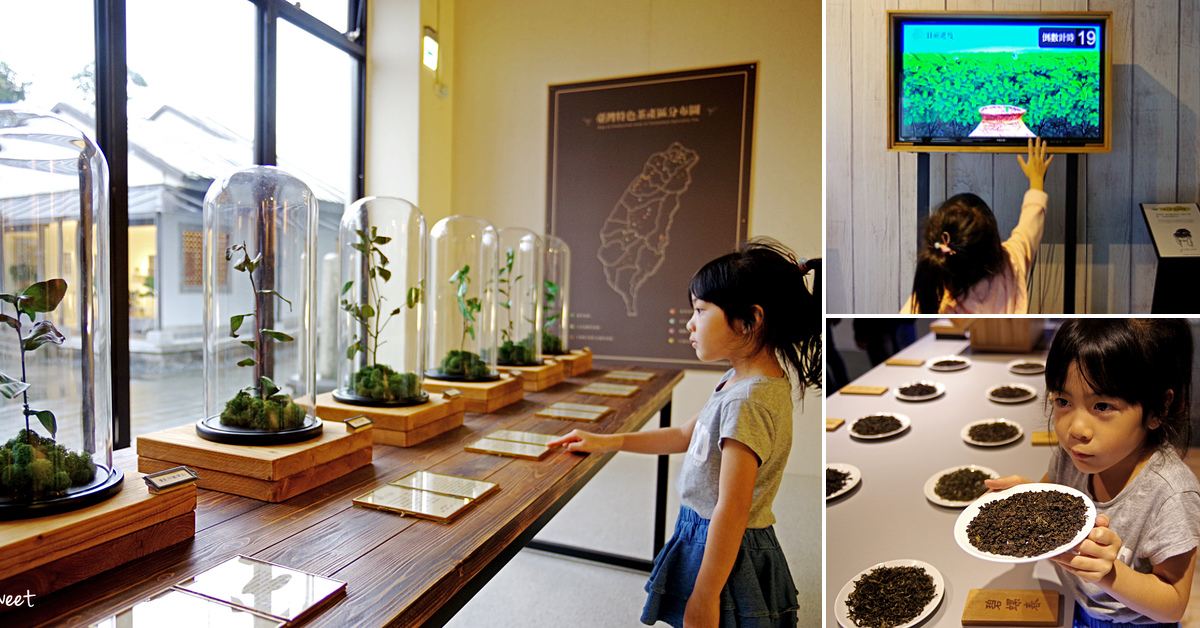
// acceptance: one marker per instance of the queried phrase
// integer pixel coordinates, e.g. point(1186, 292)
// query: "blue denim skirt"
point(760, 592)
point(1084, 620)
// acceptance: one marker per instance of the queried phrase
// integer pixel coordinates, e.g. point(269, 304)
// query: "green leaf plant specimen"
point(552, 344)
point(32, 465)
point(262, 406)
point(375, 380)
point(512, 351)
point(460, 362)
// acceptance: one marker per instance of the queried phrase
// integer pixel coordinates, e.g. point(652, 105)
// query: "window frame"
point(112, 137)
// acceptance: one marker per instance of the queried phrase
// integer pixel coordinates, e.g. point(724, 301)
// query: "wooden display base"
point(575, 363)
point(482, 397)
point(271, 474)
point(538, 378)
point(49, 553)
point(399, 427)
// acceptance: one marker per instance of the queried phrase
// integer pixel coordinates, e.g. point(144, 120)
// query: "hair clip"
point(944, 244)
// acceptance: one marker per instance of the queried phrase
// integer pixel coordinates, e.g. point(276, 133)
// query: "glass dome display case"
point(556, 296)
point(381, 340)
point(519, 298)
point(56, 412)
point(461, 296)
point(259, 251)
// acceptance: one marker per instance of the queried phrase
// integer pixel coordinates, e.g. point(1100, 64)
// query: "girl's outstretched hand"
point(587, 442)
point(1093, 559)
point(1008, 481)
point(1035, 167)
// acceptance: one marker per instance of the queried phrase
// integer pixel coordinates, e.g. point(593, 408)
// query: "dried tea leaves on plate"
point(1027, 367)
point(876, 424)
point(835, 480)
point(1009, 392)
point(950, 363)
point(963, 485)
point(890, 596)
point(918, 390)
point(1027, 524)
point(994, 432)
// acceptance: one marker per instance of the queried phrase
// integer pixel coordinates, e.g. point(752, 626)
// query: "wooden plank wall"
point(871, 227)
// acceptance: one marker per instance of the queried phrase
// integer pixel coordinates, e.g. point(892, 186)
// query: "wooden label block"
point(538, 378)
point(903, 362)
point(398, 438)
point(280, 490)
point(576, 363)
point(862, 390)
point(1011, 607)
point(609, 390)
point(630, 376)
point(833, 424)
point(1043, 438)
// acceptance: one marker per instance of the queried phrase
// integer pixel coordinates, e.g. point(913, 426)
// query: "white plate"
point(904, 423)
point(842, 612)
point(932, 495)
point(1032, 394)
point(960, 526)
point(933, 366)
point(1041, 369)
point(941, 390)
point(851, 482)
point(966, 433)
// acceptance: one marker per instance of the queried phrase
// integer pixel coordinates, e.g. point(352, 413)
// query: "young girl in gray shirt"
point(1119, 393)
point(723, 566)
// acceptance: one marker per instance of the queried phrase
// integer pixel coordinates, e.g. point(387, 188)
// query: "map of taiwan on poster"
point(648, 181)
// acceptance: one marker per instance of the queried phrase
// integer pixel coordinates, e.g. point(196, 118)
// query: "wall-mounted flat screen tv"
point(989, 81)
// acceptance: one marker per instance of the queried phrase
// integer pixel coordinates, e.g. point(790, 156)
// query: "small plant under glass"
point(377, 384)
point(552, 344)
point(37, 470)
point(513, 352)
point(461, 363)
point(262, 413)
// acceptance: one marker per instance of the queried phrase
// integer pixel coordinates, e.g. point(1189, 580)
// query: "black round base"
point(211, 429)
point(460, 378)
point(107, 483)
point(343, 395)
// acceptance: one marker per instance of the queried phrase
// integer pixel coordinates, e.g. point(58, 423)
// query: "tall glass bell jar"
point(56, 412)
point(556, 296)
point(461, 291)
point(519, 298)
point(381, 342)
point(260, 229)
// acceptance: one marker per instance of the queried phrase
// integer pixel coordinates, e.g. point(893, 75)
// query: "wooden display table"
point(45, 554)
point(400, 571)
point(272, 473)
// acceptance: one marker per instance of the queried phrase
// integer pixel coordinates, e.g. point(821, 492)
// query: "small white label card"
point(409, 501)
point(1174, 228)
point(630, 376)
point(260, 586)
point(533, 438)
point(170, 479)
point(497, 447)
point(609, 390)
point(181, 609)
point(574, 411)
point(355, 423)
point(446, 484)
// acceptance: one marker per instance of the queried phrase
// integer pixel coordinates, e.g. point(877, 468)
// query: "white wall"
point(871, 206)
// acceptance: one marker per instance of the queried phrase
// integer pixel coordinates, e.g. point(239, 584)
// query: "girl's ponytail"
point(960, 246)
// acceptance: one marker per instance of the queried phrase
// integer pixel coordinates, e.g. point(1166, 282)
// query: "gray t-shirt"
point(1157, 516)
point(756, 412)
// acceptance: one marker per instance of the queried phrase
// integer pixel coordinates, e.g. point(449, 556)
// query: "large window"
point(208, 88)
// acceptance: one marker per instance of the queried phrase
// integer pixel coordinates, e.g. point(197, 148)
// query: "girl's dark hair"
point(765, 273)
point(969, 251)
point(1135, 360)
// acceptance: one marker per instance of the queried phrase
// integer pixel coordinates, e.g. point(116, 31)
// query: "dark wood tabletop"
point(400, 571)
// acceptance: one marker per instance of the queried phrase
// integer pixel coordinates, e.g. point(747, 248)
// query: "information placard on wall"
point(1174, 228)
point(648, 180)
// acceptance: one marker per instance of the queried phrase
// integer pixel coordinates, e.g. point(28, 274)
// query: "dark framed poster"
point(648, 180)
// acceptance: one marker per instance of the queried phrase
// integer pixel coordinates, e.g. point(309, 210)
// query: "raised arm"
point(1035, 168)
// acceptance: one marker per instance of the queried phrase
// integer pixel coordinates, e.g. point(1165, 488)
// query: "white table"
point(887, 516)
